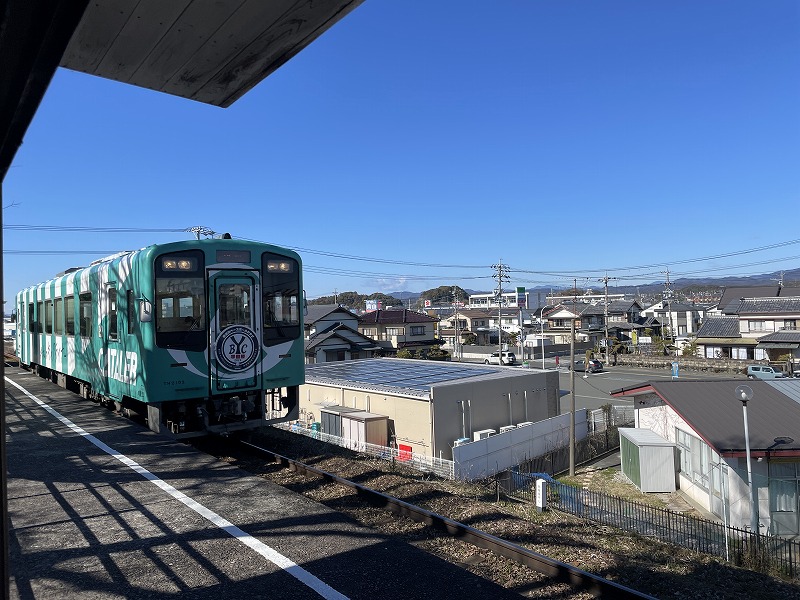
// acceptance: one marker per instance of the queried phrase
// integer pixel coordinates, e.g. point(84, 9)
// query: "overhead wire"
point(549, 274)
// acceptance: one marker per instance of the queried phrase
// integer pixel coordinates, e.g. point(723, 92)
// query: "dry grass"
point(648, 565)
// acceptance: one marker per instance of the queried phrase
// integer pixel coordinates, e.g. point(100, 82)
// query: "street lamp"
point(745, 393)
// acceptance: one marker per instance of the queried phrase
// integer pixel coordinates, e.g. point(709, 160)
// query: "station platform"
point(101, 507)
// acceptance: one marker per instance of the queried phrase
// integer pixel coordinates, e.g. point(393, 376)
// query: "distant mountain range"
point(790, 279)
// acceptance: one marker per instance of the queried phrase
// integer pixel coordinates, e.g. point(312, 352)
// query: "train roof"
point(166, 246)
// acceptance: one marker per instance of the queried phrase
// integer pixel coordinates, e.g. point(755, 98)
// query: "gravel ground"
point(649, 566)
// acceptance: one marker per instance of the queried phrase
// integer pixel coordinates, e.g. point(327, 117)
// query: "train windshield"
point(281, 305)
point(180, 310)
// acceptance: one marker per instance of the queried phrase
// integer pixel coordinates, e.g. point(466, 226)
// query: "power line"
point(71, 229)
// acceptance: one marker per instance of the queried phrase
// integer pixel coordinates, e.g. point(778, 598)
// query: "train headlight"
point(280, 266)
point(178, 264)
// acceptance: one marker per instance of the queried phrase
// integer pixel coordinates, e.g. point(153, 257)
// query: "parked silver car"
point(763, 372)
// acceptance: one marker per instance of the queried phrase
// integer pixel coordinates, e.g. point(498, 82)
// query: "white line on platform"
point(272, 555)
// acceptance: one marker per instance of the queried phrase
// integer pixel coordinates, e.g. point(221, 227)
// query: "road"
point(592, 389)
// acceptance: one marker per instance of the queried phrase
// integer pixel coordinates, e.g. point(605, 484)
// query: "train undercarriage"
point(198, 417)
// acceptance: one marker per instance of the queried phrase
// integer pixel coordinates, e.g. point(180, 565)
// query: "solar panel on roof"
point(395, 374)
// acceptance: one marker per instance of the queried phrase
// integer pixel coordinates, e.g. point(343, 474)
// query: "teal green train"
point(200, 336)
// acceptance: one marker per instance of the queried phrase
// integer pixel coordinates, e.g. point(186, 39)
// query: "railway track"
point(556, 571)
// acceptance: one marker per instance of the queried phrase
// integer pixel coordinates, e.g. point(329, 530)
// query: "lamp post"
point(745, 393)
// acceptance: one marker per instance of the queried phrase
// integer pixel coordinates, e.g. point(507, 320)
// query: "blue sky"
point(565, 139)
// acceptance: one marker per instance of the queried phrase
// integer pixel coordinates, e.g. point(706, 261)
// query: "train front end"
point(227, 336)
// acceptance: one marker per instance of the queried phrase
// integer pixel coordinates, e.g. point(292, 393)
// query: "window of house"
point(395, 331)
point(755, 325)
point(783, 481)
point(417, 330)
point(69, 315)
point(369, 331)
point(739, 353)
point(790, 324)
point(696, 458)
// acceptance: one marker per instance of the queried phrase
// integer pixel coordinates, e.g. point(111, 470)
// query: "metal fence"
point(426, 464)
point(766, 554)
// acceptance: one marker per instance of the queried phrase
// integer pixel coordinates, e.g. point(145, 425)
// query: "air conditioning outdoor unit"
point(461, 441)
point(483, 434)
point(507, 428)
point(524, 423)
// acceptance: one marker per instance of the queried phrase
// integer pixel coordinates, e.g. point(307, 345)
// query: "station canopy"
point(212, 52)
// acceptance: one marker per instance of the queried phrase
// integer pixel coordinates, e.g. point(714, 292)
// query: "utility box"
point(507, 428)
point(648, 460)
point(331, 418)
point(360, 428)
point(483, 434)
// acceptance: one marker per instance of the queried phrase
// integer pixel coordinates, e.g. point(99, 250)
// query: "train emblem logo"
point(237, 348)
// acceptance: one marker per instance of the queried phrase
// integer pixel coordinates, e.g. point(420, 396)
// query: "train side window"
point(113, 329)
point(69, 315)
point(48, 316)
point(58, 314)
point(131, 311)
point(40, 317)
point(281, 292)
point(31, 318)
point(85, 309)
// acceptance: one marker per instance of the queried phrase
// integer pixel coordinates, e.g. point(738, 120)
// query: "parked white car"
point(763, 372)
point(508, 358)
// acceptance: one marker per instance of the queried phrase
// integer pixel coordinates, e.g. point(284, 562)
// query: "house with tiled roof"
point(395, 330)
point(755, 329)
point(331, 334)
point(704, 420)
point(732, 295)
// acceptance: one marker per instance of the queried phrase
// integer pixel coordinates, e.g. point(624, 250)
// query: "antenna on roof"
point(780, 279)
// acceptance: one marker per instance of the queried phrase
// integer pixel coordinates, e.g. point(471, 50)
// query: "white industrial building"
point(429, 407)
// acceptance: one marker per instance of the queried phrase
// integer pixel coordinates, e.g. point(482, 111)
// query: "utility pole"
point(456, 339)
point(501, 275)
point(605, 318)
point(667, 299)
point(572, 385)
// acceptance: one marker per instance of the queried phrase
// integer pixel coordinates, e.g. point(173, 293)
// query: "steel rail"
point(555, 569)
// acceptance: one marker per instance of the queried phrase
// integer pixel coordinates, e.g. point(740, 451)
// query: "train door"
point(235, 332)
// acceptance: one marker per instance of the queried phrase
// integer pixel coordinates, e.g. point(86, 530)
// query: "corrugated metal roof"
point(644, 437)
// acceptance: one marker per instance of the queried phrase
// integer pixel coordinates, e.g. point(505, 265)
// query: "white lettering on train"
point(120, 366)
